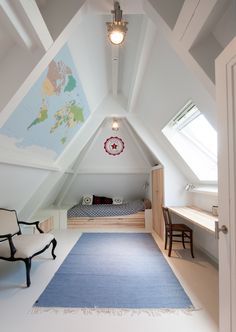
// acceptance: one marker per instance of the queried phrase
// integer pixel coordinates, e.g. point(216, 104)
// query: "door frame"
point(226, 103)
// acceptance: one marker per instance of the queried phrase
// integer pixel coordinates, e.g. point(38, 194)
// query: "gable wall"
point(101, 173)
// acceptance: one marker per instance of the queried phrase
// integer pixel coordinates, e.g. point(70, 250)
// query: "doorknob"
point(218, 229)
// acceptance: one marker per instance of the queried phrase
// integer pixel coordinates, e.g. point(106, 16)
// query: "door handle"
point(218, 229)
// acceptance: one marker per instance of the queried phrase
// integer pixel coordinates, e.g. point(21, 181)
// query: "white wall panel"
point(129, 186)
point(98, 160)
point(18, 184)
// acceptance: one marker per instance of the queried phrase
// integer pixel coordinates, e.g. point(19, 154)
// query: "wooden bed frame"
point(131, 220)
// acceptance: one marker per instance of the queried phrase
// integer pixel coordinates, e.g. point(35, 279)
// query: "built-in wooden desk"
point(196, 216)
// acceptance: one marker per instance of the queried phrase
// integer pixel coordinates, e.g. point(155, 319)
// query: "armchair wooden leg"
point(54, 243)
point(191, 244)
point(28, 267)
point(170, 245)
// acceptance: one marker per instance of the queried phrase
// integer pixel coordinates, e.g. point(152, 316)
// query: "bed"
point(127, 214)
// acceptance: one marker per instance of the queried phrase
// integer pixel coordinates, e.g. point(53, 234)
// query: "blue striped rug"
point(115, 270)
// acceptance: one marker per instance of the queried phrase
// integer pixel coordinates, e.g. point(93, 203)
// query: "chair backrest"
point(167, 217)
point(8, 222)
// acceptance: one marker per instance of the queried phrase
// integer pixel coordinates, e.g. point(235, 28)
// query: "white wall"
point(203, 239)
point(128, 186)
point(206, 242)
point(129, 161)
point(18, 184)
point(49, 202)
point(14, 69)
point(202, 200)
point(102, 174)
point(174, 179)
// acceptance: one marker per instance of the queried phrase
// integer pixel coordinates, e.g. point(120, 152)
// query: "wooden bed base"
point(132, 220)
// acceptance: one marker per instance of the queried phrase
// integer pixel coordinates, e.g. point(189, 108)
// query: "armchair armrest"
point(11, 245)
point(36, 223)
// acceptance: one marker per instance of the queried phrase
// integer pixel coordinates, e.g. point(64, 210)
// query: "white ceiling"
point(96, 57)
point(103, 68)
point(129, 53)
point(6, 39)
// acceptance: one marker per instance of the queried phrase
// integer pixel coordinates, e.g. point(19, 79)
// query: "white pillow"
point(87, 199)
point(117, 200)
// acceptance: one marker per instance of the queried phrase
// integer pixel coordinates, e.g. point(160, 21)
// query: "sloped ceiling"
point(172, 85)
point(163, 63)
point(92, 56)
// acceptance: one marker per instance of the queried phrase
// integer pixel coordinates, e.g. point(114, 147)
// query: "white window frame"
point(173, 132)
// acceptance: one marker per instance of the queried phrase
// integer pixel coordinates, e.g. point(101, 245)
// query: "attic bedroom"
point(96, 138)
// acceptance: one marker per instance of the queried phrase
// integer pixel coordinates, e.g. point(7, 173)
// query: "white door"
point(226, 101)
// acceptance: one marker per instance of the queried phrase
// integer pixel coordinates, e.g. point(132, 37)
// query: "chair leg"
point(28, 267)
point(166, 238)
point(183, 240)
point(191, 243)
point(170, 244)
point(54, 243)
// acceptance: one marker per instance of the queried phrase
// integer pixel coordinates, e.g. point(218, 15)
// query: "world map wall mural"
point(52, 111)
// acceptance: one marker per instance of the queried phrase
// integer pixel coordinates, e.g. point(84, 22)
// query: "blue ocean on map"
point(53, 110)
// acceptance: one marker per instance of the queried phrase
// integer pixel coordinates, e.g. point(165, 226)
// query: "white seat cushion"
point(26, 245)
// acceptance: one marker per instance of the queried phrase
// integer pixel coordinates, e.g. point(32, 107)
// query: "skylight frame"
point(189, 147)
point(195, 141)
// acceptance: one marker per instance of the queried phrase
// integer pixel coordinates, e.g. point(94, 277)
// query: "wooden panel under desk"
point(196, 216)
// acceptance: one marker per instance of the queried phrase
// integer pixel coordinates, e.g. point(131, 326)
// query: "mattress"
point(105, 210)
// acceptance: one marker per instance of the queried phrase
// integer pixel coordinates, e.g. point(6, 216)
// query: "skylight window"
point(195, 140)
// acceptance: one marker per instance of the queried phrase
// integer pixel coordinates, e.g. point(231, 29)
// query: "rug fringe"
point(114, 311)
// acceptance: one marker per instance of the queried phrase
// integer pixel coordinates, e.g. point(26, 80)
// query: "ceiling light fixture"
point(115, 125)
point(118, 28)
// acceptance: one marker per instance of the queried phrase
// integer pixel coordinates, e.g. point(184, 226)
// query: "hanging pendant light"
point(118, 28)
point(115, 125)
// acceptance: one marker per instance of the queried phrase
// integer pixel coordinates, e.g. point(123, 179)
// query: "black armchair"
point(15, 246)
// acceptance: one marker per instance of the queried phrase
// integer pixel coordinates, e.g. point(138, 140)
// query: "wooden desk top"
point(196, 216)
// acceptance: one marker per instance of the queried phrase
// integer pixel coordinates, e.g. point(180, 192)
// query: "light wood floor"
point(199, 278)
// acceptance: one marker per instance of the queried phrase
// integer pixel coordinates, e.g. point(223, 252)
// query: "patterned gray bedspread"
point(105, 210)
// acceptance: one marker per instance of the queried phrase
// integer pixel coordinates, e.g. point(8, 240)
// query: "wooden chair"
point(15, 246)
point(173, 231)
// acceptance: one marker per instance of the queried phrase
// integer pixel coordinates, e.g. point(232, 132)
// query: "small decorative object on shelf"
point(114, 146)
point(215, 210)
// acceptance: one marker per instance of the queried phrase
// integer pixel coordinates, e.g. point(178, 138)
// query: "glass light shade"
point(115, 125)
point(116, 32)
point(116, 37)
